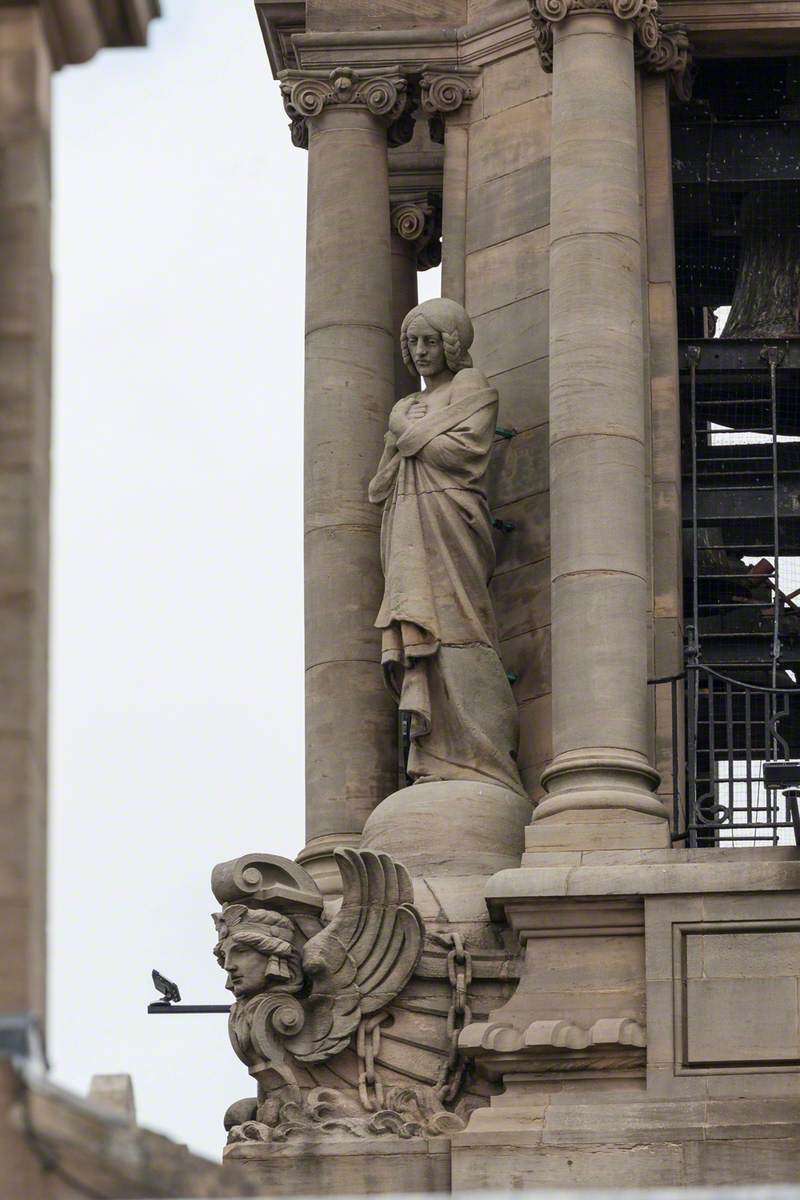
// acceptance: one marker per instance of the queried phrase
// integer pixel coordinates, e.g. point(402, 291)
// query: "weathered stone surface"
point(303, 987)
point(439, 638)
point(512, 81)
point(511, 139)
point(524, 398)
point(510, 205)
point(508, 337)
point(508, 271)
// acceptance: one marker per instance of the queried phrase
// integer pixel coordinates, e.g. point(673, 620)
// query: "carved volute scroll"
point(418, 221)
point(659, 46)
point(443, 91)
point(384, 92)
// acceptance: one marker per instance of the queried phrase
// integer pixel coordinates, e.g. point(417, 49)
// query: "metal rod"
point(157, 1009)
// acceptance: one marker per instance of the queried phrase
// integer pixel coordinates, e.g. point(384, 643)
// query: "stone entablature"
point(659, 47)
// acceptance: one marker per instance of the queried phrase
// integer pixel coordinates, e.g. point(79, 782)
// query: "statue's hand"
point(410, 408)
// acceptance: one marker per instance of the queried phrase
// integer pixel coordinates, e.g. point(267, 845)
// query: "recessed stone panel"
point(739, 988)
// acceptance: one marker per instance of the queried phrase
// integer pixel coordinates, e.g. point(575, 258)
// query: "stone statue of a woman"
point(440, 651)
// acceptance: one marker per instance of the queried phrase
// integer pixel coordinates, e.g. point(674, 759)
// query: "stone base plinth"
point(629, 1142)
point(360, 1167)
point(654, 1037)
point(450, 828)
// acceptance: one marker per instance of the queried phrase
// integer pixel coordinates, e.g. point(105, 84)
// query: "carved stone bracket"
point(418, 220)
point(442, 92)
point(383, 92)
point(501, 1047)
point(659, 46)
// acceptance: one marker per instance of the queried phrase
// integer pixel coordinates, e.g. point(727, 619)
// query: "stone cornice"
point(383, 92)
point(505, 30)
point(659, 47)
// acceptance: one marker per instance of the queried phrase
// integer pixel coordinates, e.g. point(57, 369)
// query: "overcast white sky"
point(177, 657)
point(177, 638)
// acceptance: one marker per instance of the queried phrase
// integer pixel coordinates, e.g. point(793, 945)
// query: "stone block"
point(24, 415)
point(658, 177)
point(524, 395)
point(529, 539)
point(344, 588)
point(535, 732)
point(509, 139)
point(518, 467)
point(508, 337)
point(532, 779)
point(507, 271)
point(25, 289)
point(528, 656)
point(357, 1168)
point(322, 16)
point(728, 1024)
point(667, 551)
point(342, 789)
point(522, 598)
point(514, 80)
point(513, 204)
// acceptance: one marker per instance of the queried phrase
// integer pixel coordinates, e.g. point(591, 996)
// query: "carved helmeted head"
point(435, 336)
point(256, 948)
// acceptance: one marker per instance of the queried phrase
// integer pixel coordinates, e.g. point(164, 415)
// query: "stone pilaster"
point(444, 97)
point(600, 783)
point(351, 731)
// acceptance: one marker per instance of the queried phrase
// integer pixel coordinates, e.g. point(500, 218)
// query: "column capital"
point(442, 91)
point(659, 46)
point(418, 221)
point(383, 92)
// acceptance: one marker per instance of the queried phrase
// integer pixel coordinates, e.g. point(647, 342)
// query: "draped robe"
point(440, 651)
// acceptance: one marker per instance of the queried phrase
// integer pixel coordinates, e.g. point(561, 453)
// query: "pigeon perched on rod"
point(166, 987)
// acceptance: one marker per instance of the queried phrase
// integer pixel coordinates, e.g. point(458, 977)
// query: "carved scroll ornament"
point(383, 92)
point(419, 222)
point(659, 46)
point(442, 92)
point(308, 990)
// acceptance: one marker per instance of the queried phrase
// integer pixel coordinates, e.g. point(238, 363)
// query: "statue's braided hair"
point(452, 322)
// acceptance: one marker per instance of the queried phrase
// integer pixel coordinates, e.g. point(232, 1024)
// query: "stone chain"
point(368, 1045)
point(459, 1015)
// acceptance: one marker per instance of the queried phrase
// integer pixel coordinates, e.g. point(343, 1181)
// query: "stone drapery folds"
point(659, 46)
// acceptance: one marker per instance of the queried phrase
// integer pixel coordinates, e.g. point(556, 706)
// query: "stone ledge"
point(661, 873)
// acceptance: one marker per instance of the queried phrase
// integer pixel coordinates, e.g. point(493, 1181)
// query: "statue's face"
point(426, 348)
point(246, 970)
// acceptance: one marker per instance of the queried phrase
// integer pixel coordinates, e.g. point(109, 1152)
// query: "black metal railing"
point(742, 774)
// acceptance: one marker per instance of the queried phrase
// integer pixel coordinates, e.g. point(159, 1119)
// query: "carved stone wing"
point(364, 958)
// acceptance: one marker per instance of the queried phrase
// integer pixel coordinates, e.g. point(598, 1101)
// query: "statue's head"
point(256, 949)
point(435, 336)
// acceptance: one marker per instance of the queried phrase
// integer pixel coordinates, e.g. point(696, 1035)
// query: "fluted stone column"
point(351, 728)
point(600, 783)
